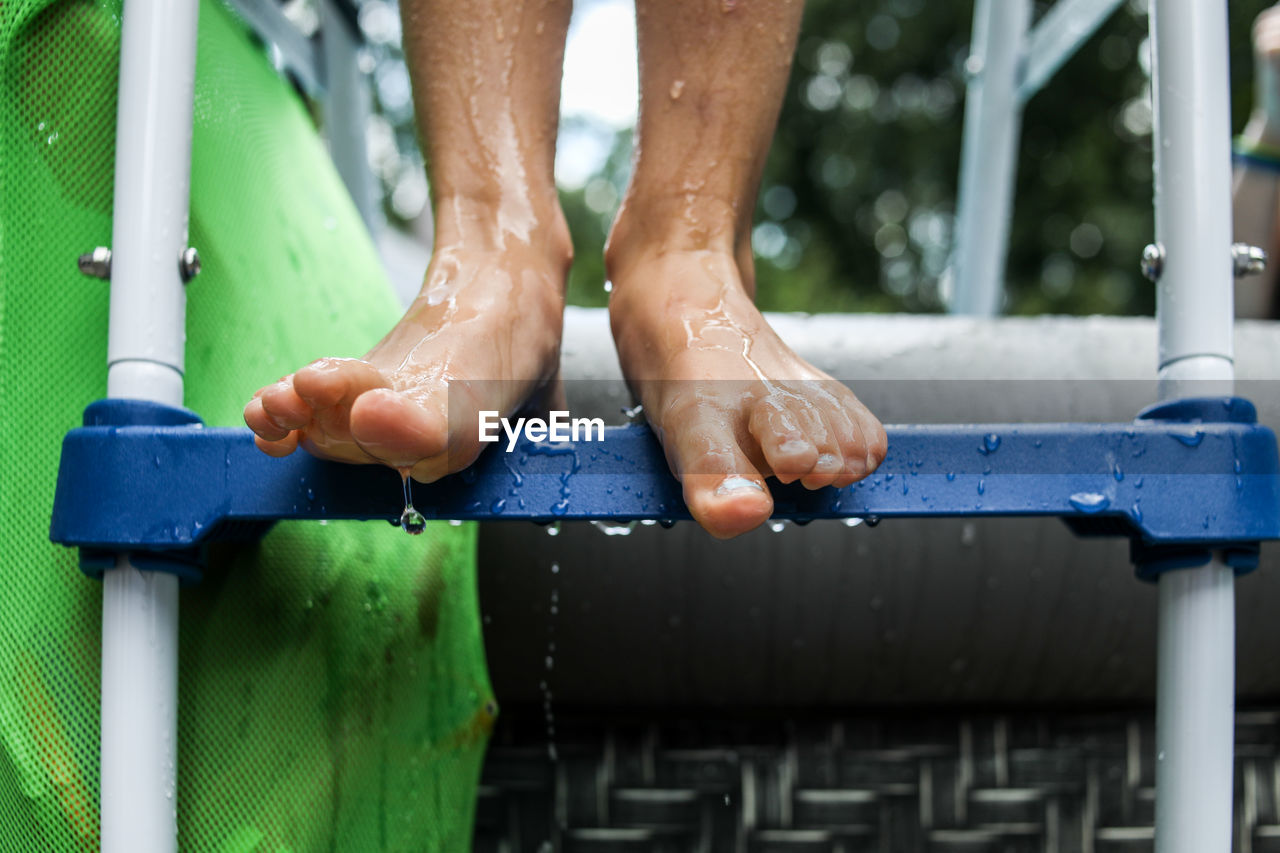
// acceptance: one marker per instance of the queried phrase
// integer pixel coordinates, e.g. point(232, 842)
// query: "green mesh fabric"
point(333, 694)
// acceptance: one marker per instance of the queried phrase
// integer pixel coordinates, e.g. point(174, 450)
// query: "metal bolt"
point(1247, 260)
point(189, 264)
point(1153, 261)
point(96, 263)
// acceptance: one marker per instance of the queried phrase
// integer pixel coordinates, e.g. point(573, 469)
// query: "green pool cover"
point(333, 693)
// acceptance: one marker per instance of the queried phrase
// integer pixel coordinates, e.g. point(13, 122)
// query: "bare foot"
point(487, 324)
point(731, 403)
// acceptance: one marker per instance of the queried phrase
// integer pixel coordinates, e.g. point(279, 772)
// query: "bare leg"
point(730, 401)
point(486, 77)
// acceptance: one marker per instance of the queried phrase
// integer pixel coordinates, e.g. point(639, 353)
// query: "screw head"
point(96, 263)
point(189, 264)
point(1247, 260)
point(1153, 261)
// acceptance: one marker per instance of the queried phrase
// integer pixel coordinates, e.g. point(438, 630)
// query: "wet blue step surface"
point(1193, 472)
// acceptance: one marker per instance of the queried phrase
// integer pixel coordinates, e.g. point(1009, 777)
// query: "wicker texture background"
point(1022, 783)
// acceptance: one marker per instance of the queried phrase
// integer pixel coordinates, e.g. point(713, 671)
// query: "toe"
point(874, 440)
point(846, 434)
point(725, 493)
point(327, 382)
point(257, 420)
point(859, 434)
point(829, 467)
point(283, 447)
point(398, 430)
point(283, 406)
point(785, 435)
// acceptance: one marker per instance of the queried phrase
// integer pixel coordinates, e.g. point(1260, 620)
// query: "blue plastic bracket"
point(1183, 478)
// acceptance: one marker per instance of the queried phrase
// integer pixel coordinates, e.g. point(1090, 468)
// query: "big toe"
point(724, 491)
point(398, 430)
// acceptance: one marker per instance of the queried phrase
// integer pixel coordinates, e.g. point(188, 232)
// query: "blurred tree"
point(855, 210)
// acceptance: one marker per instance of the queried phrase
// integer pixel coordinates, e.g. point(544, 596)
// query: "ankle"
point(532, 222)
point(681, 222)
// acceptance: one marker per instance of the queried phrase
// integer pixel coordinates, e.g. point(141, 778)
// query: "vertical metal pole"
point(1196, 672)
point(347, 113)
point(988, 155)
point(145, 356)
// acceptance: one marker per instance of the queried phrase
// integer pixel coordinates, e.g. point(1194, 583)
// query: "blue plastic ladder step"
point(1186, 475)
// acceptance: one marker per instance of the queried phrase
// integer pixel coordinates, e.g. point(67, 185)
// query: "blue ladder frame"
point(1182, 479)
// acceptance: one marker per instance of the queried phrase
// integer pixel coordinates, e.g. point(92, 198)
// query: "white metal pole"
point(992, 121)
point(1196, 670)
point(1195, 676)
point(145, 356)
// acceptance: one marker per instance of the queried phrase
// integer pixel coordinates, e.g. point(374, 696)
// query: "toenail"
point(737, 484)
point(795, 445)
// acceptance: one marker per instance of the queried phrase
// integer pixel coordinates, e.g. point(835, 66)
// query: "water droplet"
point(635, 414)
point(560, 507)
point(412, 521)
point(1089, 502)
point(608, 286)
point(612, 529)
point(1160, 755)
point(1239, 468)
point(1137, 513)
point(951, 476)
point(549, 661)
point(1190, 438)
point(311, 494)
point(455, 522)
point(872, 520)
point(982, 486)
point(1116, 472)
point(852, 522)
point(777, 526)
point(666, 523)
point(498, 506)
point(990, 443)
point(553, 529)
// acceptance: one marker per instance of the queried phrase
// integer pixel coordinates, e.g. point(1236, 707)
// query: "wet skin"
point(730, 402)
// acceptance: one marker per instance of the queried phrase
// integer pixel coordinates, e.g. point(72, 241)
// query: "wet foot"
point(483, 333)
point(731, 403)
